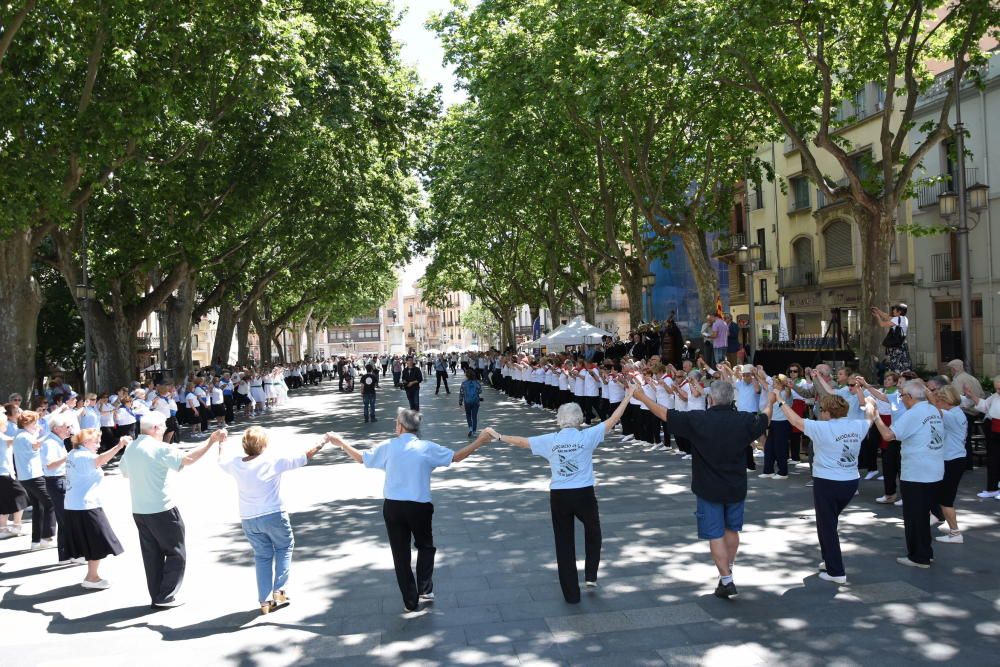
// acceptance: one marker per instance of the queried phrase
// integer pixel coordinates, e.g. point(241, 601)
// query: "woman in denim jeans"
point(264, 519)
point(469, 396)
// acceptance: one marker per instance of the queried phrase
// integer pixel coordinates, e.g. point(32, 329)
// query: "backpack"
point(894, 337)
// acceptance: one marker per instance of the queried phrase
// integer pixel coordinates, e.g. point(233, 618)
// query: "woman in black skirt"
point(13, 497)
point(90, 535)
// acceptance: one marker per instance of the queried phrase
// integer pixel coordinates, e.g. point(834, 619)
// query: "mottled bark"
point(20, 302)
point(177, 322)
point(876, 242)
point(223, 343)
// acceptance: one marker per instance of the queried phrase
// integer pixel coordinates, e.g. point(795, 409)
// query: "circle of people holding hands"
point(717, 416)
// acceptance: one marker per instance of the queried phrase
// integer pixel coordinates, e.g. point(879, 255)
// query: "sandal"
point(267, 607)
point(281, 599)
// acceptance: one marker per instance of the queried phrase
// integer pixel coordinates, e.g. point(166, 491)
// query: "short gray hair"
point(721, 392)
point(151, 420)
point(61, 420)
point(569, 416)
point(409, 420)
point(916, 390)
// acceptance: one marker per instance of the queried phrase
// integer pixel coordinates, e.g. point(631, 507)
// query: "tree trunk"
point(20, 302)
point(177, 322)
point(554, 304)
point(263, 331)
point(243, 340)
point(279, 339)
point(311, 338)
point(115, 348)
point(633, 290)
point(223, 344)
point(705, 277)
point(876, 241)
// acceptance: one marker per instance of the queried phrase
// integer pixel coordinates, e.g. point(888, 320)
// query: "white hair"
point(916, 390)
point(61, 420)
point(409, 420)
point(721, 392)
point(151, 420)
point(569, 416)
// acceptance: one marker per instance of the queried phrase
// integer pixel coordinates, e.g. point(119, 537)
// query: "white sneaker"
point(880, 478)
point(829, 577)
point(98, 585)
point(686, 457)
point(765, 475)
point(898, 503)
point(780, 477)
point(951, 538)
point(7, 534)
point(883, 500)
point(988, 494)
point(628, 437)
point(590, 584)
point(904, 560)
point(872, 474)
point(36, 546)
point(822, 566)
point(427, 596)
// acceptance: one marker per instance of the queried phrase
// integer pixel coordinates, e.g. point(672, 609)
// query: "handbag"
point(894, 337)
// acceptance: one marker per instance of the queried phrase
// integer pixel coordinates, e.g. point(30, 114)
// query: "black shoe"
point(366, 420)
point(726, 591)
point(470, 434)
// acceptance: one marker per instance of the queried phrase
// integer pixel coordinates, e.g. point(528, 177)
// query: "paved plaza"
point(498, 598)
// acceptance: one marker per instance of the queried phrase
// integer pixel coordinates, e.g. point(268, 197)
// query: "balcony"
point(727, 245)
point(928, 194)
point(365, 320)
point(791, 277)
point(942, 268)
point(147, 342)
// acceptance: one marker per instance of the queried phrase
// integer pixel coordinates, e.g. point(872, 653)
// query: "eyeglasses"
point(792, 371)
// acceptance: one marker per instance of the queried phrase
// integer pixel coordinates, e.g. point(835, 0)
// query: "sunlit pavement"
point(498, 599)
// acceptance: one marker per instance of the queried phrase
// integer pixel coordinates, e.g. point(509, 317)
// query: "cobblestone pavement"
point(498, 598)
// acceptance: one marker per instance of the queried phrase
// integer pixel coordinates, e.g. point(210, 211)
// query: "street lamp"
point(749, 259)
point(974, 202)
point(85, 294)
point(648, 280)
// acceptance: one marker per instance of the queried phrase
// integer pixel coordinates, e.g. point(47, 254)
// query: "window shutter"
point(839, 251)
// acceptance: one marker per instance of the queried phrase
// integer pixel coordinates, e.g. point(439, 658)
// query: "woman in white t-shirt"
point(262, 512)
point(570, 453)
point(89, 533)
point(836, 445)
point(897, 353)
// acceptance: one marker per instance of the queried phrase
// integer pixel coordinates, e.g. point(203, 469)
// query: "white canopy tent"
point(575, 332)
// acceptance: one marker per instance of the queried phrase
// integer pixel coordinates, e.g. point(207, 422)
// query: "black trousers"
point(992, 460)
point(868, 456)
point(567, 505)
point(830, 497)
point(413, 396)
point(56, 487)
point(161, 539)
point(406, 521)
point(589, 405)
point(918, 500)
point(795, 446)
point(442, 376)
point(891, 461)
point(228, 400)
point(43, 512)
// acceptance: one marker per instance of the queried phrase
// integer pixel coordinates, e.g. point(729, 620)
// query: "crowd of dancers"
point(912, 434)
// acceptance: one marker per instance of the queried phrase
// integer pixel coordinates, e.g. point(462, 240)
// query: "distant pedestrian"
point(369, 383)
point(411, 379)
point(262, 511)
point(147, 464)
point(441, 372)
point(469, 397)
point(407, 510)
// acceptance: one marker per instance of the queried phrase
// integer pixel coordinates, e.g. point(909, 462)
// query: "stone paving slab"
point(498, 598)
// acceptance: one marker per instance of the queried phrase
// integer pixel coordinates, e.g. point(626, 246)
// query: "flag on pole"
point(782, 323)
point(718, 304)
point(536, 328)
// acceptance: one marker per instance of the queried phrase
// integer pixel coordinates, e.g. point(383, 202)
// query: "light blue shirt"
point(570, 453)
point(836, 444)
point(956, 426)
point(746, 397)
point(83, 480)
point(408, 463)
point(920, 430)
point(147, 464)
point(27, 459)
point(6, 457)
point(53, 449)
point(90, 418)
point(854, 409)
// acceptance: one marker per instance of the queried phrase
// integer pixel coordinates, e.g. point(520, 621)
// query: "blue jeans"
point(272, 541)
point(720, 354)
point(369, 400)
point(472, 415)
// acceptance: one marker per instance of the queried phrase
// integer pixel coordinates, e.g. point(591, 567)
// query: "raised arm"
point(514, 440)
point(103, 459)
point(193, 456)
point(463, 453)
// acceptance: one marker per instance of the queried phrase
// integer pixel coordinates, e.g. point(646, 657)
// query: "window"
point(763, 291)
point(802, 254)
point(762, 242)
point(798, 195)
point(838, 245)
point(758, 196)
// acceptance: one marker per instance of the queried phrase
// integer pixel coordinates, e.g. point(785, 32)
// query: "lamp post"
point(85, 294)
point(950, 203)
point(648, 280)
point(748, 257)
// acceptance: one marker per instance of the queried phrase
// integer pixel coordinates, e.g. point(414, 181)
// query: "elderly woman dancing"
point(570, 453)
